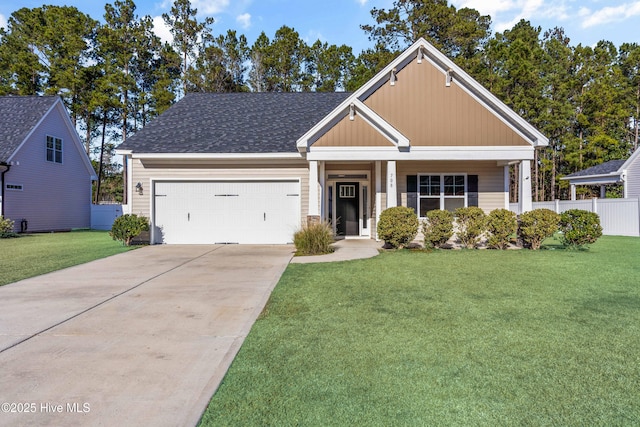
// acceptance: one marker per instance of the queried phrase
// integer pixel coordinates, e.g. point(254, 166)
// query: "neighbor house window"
point(446, 192)
point(54, 149)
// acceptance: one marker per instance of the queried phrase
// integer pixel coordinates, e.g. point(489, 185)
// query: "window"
point(54, 149)
point(447, 192)
point(347, 191)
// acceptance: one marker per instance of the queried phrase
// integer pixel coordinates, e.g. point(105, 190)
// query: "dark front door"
point(347, 203)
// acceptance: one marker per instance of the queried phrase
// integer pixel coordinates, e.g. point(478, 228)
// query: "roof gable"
point(19, 116)
point(483, 108)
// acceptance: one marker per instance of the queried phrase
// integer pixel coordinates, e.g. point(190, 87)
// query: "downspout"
point(6, 167)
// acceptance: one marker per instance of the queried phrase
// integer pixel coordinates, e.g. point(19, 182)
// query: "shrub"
point(579, 227)
point(438, 228)
point(6, 228)
point(398, 226)
point(471, 223)
point(537, 225)
point(501, 224)
point(314, 239)
point(128, 226)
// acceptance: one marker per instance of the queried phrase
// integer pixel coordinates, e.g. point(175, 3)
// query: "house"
point(625, 172)
point(45, 174)
point(253, 167)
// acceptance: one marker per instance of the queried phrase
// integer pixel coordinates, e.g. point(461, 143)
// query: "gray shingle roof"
point(234, 123)
point(602, 169)
point(18, 116)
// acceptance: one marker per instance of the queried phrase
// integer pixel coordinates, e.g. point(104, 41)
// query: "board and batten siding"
point(54, 196)
point(264, 171)
point(490, 179)
point(429, 113)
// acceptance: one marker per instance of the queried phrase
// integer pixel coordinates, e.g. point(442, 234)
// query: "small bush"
point(6, 228)
point(471, 223)
point(398, 226)
point(438, 228)
point(579, 227)
point(501, 224)
point(128, 226)
point(314, 239)
point(537, 225)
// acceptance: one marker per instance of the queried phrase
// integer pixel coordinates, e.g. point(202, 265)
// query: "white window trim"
point(46, 146)
point(442, 196)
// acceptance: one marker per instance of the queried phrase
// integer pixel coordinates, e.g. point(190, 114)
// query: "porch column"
point(524, 199)
point(314, 208)
point(573, 191)
point(392, 193)
point(321, 180)
point(507, 178)
point(378, 196)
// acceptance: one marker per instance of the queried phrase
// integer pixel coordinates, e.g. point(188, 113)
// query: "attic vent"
point(14, 187)
point(392, 79)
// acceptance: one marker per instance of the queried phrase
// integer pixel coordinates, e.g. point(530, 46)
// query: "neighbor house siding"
point(633, 179)
point(429, 113)
point(490, 179)
point(55, 196)
point(265, 170)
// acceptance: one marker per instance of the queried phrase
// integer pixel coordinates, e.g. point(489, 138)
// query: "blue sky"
point(338, 21)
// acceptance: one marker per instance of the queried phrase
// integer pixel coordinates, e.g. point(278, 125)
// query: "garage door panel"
point(259, 212)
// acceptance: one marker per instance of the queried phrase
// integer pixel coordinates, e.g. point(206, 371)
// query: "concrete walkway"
point(346, 249)
point(141, 338)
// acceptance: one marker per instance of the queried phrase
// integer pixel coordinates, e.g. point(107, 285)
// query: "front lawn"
point(477, 338)
point(34, 254)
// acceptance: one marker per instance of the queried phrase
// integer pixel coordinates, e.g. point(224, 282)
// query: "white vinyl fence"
point(618, 217)
point(102, 216)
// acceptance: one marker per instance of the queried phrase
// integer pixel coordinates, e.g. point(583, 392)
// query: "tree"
point(258, 56)
point(189, 35)
point(329, 66)
point(286, 56)
point(629, 59)
point(459, 34)
point(220, 66)
point(44, 52)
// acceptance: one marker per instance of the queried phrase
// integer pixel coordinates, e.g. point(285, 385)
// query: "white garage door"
point(258, 212)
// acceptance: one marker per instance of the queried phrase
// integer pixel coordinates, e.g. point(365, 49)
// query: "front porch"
point(350, 195)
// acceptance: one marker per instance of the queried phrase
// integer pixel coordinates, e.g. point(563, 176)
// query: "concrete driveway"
point(141, 338)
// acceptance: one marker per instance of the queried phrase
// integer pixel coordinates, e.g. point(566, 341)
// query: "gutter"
point(6, 167)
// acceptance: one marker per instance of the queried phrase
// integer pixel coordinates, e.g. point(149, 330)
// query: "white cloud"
point(244, 20)
point(209, 7)
point(3, 21)
point(161, 29)
point(610, 14)
point(487, 7)
point(362, 2)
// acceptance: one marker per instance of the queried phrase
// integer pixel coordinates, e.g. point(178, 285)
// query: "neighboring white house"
point(45, 174)
point(625, 172)
point(253, 167)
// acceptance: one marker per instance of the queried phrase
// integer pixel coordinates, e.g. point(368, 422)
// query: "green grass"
point(473, 338)
point(34, 254)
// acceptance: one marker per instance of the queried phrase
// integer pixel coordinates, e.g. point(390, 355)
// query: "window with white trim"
point(54, 149)
point(446, 192)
